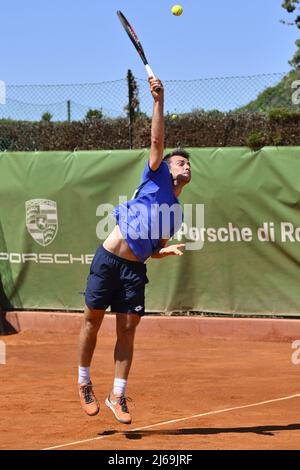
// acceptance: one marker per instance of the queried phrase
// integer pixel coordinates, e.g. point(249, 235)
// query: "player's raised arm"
point(157, 126)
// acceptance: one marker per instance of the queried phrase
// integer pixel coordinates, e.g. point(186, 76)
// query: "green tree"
point(295, 61)
point(94, 115)
point(46, 117)
point(293, 8)
point(133, 106)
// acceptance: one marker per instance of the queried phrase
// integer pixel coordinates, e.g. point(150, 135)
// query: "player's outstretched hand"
point(173, 250)
point(154, 83)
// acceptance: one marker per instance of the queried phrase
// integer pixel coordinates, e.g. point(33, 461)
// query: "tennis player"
point(118, 272)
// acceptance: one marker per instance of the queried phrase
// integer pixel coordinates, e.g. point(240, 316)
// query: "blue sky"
point(81, 41)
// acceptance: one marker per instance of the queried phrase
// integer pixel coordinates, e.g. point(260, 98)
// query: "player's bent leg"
point(91, 323)
point(123, 354)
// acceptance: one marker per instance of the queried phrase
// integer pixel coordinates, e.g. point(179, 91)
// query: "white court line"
point(175, 421)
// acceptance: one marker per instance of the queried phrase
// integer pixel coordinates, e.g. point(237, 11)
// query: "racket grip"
point(151, 74)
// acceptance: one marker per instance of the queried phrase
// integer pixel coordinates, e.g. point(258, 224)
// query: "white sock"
point(119, 386)
point(84, 375)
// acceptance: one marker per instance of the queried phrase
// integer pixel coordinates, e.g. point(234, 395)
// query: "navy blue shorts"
point(116, 282)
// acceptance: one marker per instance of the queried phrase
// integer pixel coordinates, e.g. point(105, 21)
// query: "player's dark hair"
point(176, 153)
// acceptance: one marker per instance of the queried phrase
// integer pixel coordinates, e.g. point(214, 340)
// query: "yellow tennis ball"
point(177, 10)
point(174, 117)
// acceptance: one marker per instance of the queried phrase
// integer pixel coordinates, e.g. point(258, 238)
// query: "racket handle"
point(151, 74)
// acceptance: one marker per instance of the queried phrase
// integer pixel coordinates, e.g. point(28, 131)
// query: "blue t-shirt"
point(153, 214)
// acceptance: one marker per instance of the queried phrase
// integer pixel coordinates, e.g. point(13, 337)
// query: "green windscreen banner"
point(241, 229)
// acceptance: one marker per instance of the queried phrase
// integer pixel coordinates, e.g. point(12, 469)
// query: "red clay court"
point(197, 383)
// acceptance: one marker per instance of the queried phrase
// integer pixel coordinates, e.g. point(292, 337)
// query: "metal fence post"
point(69, 110)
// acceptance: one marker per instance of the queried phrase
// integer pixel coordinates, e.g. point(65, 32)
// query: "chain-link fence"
point(72, 102)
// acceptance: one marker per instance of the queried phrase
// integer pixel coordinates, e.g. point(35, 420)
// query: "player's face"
point(180, 168)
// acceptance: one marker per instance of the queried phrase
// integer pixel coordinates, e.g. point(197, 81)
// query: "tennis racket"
point(136, 42)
